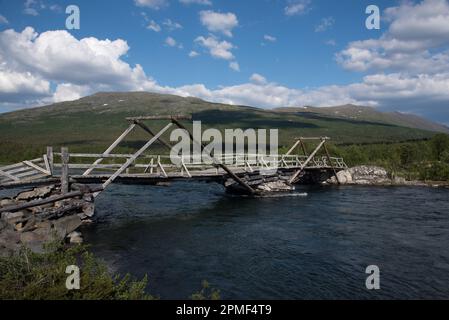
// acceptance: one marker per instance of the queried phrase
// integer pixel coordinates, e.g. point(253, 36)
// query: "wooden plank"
point(41, 202)
point(97, 155)
point(313, 138)
point(11, 166)
point(224, 167)
point(293, 148)
point(18, 170)
point(298, 172)
point(32, 165)
point(111, 147)
point(47, 164)
point(148, 130)
point(65, 170)
point(330, 163)
point(49, 158)
point(9, 176)
point(135, 156)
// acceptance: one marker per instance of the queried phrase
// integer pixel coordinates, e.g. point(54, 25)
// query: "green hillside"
point(92, 123)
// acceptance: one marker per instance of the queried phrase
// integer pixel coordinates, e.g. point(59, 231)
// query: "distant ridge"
point(92, 123)
point(362, 113)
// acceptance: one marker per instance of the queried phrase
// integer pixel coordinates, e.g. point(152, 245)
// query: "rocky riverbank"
point(373, 175)
point(53, 221)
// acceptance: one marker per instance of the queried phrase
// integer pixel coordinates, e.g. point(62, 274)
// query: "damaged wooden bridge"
point(242, 172)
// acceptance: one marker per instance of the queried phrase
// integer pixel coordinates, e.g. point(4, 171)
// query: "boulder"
point(75, 237)
point(344, 177)
point(12, 217)
point(66, 225)
point(276, 186)
point(362, 175)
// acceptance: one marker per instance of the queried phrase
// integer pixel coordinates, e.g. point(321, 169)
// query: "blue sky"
point(265, 53)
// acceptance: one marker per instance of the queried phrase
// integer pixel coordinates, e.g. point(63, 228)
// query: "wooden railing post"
point(65, 170)
point(50, 160)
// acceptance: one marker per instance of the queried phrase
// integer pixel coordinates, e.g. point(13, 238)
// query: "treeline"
point(417, 160)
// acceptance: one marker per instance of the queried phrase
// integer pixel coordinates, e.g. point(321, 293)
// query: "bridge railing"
point(185, 164)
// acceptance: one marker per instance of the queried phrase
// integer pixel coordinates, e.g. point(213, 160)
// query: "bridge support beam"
point(135, 156)
point(216, 162)
point(293, 179)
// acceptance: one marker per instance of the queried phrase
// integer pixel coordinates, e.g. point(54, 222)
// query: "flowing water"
point(315, 243)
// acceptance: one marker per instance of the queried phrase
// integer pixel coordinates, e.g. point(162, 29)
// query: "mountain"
point(370, 114)
point(92, 123)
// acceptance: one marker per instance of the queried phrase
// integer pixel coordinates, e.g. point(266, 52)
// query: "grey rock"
point(41, 192)
point(75, 237)
point(66, 225)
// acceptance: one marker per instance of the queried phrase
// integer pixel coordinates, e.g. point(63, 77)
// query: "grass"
point(93, 123)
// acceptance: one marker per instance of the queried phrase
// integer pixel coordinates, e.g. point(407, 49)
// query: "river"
point(288, 247)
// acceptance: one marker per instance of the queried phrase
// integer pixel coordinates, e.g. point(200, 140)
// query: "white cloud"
point(171, 25)
point(153, 4)
point(70, 92)
point(219, 22)
point(3, 20)
point(297, 7)
point(325, 24)
point(15, 86)
point(29, 62)
point(217, 49)
point(234, 65)
point(154, 26)
point(270, 38)
point(201, 2)
point(411, 69)
point(169, 41)
point(193, 54)
point(331, 42)
point(31, 8)
point(415, 42)
point(258, 79)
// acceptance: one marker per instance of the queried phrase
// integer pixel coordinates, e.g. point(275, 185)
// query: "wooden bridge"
point(142, 167)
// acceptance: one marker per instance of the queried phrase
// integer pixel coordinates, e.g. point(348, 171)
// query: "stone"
point(66, 225)
point(344, 177)
point(12, 217)
point(41, 192)
point(34, 240)
point(275, 186)
point(75, 237)
point(6, 202)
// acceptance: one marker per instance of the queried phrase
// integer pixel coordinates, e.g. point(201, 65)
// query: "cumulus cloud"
point(193, 54)
point(29, 62)
point(31, 8)
point(154, 26)
point(217, 49)
point(257, 78)
point(297, 7)
point(325, 24)
point(234, 65)
point(16, 86)
point(153, 4)
point(219, 22)
point(269, 38)
point(171, 25)
point(415, 42)
point(408, 71)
